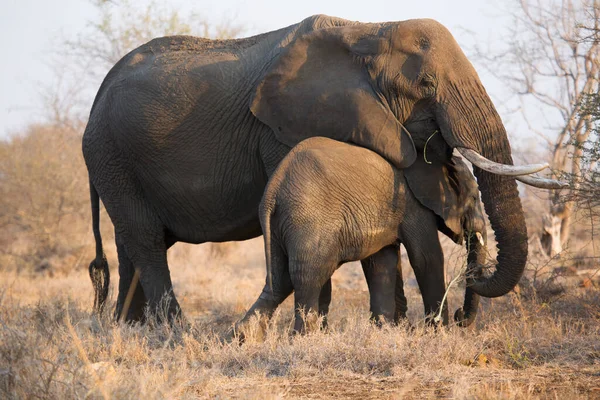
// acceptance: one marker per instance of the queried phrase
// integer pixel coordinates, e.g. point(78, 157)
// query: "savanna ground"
point(542, 342)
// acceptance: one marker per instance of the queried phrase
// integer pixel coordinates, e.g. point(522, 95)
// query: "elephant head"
point(375, 85)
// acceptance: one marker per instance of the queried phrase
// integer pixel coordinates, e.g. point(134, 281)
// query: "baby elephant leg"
point(381, 272)
point(308, 278)
point(270, 297)
point(324, 301)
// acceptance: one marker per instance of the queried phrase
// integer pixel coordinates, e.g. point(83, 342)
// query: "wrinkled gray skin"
point(184, 133)
point(330, 202)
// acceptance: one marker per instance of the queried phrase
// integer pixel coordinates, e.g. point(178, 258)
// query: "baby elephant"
point(330, 202)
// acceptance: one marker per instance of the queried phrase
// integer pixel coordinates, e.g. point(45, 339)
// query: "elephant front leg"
point(380, 270)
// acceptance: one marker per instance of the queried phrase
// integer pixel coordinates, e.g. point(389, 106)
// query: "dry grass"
point(51, 347)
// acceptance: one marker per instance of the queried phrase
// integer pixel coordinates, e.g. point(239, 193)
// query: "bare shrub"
point(551, 63)
point(117, 28)
point(44, 205)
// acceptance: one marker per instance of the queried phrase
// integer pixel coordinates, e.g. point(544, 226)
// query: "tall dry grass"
point(52, 347)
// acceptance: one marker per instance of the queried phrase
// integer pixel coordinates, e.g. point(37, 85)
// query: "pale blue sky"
point(31, 29)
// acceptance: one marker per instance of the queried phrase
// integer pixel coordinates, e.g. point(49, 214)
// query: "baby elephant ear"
point(319, 86)
point(437, 187)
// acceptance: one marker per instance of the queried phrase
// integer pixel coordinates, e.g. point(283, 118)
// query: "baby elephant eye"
point(428, 86)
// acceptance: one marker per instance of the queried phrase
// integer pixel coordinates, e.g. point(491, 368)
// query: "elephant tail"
point(99, 272)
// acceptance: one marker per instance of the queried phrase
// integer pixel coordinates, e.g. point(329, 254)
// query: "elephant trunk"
point(503, 207)
point(473, 122)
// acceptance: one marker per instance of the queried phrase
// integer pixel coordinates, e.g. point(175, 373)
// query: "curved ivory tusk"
point(542, 183)
point(499, 169)
point(480, 238)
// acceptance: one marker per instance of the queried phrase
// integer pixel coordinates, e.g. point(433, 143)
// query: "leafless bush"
point(119, 27)
point(551, 64)
point(44, 204)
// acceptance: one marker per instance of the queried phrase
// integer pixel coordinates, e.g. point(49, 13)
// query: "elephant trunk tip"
point(463, 319)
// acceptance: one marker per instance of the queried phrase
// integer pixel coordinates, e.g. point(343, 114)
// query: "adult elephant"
point(185, 131)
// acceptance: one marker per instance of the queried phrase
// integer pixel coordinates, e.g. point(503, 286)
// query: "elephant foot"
point(251, 328)
point(233, 335)
point(324, 327)
point(377, 321)
point(166, 313)
point(463, 320)
point(307, 322)
point(172, 317)
point(400, 316)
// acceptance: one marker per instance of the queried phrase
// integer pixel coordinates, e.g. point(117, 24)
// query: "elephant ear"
point(319, 86)
point(437, 186)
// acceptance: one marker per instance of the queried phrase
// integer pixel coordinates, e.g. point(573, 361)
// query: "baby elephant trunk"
point(476, 256)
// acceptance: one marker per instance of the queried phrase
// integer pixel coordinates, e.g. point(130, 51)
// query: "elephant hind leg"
point(270, 297)
point(138, 229)
point(143, 237)
point(308, 277)
point(306, 306)
point(380, 270)
point(130, 305)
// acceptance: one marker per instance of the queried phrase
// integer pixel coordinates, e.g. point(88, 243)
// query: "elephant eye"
point(428, 85)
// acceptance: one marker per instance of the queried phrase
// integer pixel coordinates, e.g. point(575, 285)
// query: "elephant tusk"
point(542, 183)
point(499, 169)
point(425, 148)
point(480, 238)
